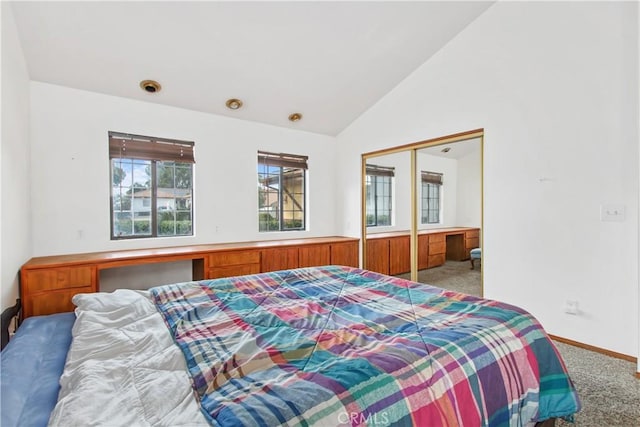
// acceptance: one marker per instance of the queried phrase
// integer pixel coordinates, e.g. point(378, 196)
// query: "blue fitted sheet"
point(31, 365)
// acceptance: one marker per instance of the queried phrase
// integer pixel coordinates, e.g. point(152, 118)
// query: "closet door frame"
point(413, 149)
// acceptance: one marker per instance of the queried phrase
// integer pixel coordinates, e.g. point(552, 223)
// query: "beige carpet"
point(607, 387)
point(453, 275)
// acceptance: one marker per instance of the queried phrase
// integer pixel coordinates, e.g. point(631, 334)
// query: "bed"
point(322, 346)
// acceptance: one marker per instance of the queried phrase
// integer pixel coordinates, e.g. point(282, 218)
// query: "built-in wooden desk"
point(48, 283)
point(389, 253)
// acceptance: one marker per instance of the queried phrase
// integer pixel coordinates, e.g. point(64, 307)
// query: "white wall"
point(469, 194)
point(70, 171)
point(555, 86)
point(15, 233)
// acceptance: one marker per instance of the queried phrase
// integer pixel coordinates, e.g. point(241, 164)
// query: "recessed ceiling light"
point(233, 104)
point(150, 86)
point(295, 117)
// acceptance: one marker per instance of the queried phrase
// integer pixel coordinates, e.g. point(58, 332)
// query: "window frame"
point(431, 180)
point(373, 174)
point(284, 163)
point(155, 151)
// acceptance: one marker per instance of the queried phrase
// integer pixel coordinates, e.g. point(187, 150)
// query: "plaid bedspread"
point(343, 346)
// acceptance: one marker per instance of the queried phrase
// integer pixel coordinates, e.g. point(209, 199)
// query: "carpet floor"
point(454, 275)
point(607, 387)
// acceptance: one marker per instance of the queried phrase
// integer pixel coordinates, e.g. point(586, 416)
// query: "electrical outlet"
point(571, 307)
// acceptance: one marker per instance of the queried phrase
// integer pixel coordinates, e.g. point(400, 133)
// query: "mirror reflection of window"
point(379, 187)
point(431, 197)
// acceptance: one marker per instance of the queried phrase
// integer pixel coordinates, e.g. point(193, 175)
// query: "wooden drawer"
point(472, 233)
point(52, 302)
point(59, 278)
point(219, 259)
point(233, 270)
point(436, 238)
point(437, 248)
point(472, 243)
point(436, 260)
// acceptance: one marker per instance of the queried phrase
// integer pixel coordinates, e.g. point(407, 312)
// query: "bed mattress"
point(31, 365)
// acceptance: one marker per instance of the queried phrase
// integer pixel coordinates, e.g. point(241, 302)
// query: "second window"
point(281, 191)
point(431, 197)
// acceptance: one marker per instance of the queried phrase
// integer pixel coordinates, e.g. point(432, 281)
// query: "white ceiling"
point(330, 61)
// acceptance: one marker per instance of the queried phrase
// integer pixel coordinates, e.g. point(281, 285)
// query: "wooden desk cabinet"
point(310, 255)
point(437, 250)
point(233, 263)
point(314, 255)
point(471, 241)
point(48, 283)
point(423, 251)
point(378, 255)
point(274, 259)
point(47, 291)
point(399, 255)
point(389, 253)
point(345, 253)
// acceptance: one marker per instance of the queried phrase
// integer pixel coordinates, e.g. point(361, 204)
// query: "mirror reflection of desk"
point(389, 253)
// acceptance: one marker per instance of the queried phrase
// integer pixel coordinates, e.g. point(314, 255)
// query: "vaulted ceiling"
point(329, 61)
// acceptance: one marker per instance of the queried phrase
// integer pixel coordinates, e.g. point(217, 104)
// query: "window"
point(431, 197)
point(281, 191)
point(379, 195)
point(151, 186)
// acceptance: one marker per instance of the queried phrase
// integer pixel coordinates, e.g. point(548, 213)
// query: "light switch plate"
point(611, 212)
